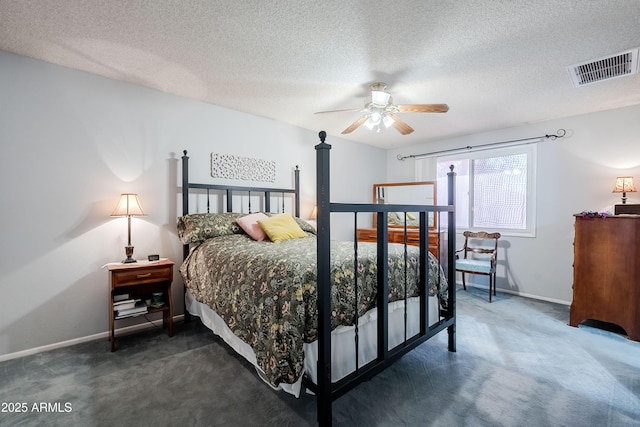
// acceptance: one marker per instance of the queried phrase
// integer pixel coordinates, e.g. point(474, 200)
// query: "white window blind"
point(495, 189)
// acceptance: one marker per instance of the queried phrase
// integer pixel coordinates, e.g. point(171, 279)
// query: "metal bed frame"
point(327, 391)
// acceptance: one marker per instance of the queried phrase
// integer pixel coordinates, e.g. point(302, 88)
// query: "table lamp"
point(128, 206)
point(624, 184)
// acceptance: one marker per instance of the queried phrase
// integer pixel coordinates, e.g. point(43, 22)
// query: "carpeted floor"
point(517, 364)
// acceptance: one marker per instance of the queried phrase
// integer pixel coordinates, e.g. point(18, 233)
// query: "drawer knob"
point(140, 276)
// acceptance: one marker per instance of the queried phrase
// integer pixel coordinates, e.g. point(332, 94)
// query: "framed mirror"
point(406, 193)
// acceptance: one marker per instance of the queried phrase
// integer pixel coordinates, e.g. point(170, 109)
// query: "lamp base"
point(128, 250)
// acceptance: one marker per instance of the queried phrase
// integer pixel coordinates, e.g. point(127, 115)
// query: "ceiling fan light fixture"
point(380, 112)
point(369, 124)
point(378, 122)
point(379, 97)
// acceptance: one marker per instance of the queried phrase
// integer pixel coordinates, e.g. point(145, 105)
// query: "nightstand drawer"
point(141, 275)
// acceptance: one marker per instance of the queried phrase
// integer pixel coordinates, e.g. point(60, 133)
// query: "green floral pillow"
point(195, 228)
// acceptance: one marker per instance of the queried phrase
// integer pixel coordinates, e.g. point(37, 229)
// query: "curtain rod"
point(559, 134)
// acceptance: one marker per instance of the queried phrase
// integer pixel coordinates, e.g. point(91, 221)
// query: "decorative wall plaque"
point(245, 168)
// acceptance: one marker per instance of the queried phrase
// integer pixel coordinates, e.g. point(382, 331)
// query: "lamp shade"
point(624, 184)
point(378, 120)
point(387, 120)
point(129, 205)
point(380, 97)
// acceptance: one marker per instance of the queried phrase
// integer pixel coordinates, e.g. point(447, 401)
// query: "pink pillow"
point(249, 224)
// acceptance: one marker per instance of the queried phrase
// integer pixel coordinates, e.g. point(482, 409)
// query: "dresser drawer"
point(367, 234)
point(413, 237)
point(126, 277)
point(396, 235)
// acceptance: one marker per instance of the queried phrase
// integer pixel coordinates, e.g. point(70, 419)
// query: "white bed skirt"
point(342, 338)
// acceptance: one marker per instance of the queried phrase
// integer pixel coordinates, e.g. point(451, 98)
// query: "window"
point(495, 189)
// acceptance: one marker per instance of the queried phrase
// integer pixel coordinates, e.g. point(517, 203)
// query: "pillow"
point(393, 218)
point(281, 227)
point(250, 226)
point(196, 228)
point(397, 218)
point(304, 225)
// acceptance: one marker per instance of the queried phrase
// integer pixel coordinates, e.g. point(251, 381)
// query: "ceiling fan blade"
point(423, 108)
point(400, 125)
point(355, 125)
point(338, 111)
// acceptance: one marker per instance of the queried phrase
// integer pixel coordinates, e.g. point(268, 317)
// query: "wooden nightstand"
point(139, 280)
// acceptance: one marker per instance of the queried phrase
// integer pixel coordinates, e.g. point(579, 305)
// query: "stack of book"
point(123, 306)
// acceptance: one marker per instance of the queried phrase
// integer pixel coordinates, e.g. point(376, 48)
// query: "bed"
point(306, 310)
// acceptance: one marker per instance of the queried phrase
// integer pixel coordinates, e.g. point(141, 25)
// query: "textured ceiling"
point(496, 63)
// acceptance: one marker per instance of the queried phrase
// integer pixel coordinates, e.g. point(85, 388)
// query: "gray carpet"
point(517, 364)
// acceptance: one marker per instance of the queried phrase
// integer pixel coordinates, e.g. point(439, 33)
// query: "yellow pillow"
point(281, 227)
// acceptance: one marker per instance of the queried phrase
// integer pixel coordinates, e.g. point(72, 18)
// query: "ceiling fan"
point(380, 112)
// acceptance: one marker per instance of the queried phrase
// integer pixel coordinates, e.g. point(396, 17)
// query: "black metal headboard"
point(229, 189)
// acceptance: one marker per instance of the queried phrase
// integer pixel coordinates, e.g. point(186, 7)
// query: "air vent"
point(605, 68)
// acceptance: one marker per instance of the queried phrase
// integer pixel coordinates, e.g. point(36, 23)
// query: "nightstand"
point(139, 280)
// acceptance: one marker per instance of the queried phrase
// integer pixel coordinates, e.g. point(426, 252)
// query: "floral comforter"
point(266, 292)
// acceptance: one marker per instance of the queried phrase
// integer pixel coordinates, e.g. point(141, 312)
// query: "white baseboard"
point(520, 294)
point(102, 335)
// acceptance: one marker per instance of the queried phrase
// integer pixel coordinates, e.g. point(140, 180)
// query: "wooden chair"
point(484, 262)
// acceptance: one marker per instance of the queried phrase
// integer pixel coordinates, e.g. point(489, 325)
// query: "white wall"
point(72, 142)
point(574, 173)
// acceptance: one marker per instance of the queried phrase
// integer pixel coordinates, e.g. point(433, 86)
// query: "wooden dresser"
point(396, 235)
point(606, 272)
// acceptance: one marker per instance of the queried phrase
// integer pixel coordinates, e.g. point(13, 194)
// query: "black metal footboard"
point(326, 390)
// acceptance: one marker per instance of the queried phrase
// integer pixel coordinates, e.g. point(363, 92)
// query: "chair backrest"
point(476, 242)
